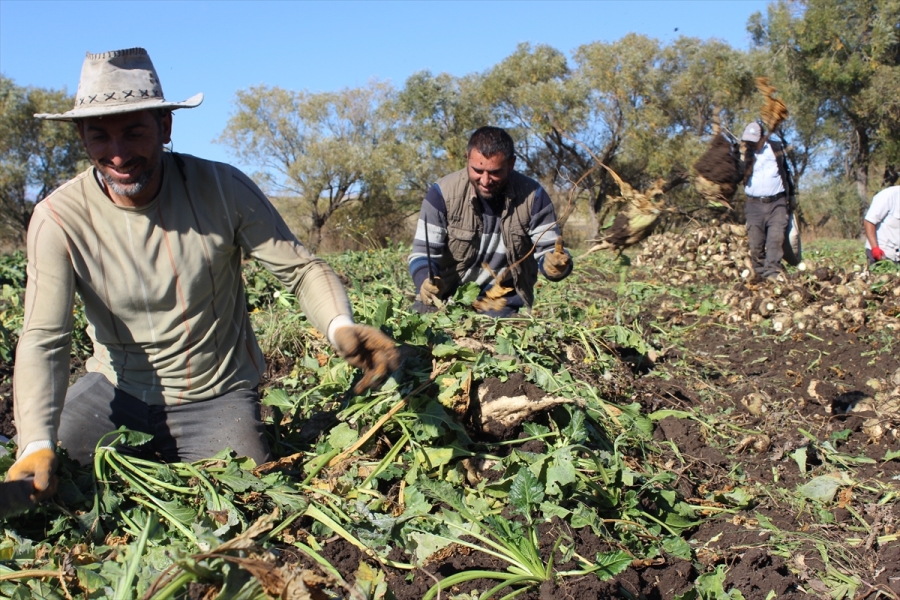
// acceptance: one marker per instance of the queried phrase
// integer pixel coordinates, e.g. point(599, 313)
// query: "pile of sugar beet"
point(816, 295)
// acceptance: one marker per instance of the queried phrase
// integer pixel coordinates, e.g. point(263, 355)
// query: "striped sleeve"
point(544, 231)
point(434, 212)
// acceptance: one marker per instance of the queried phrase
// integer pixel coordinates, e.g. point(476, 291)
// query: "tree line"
point(355, 163)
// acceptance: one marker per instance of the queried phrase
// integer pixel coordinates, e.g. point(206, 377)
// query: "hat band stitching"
point(144, 94)
point(117, 53)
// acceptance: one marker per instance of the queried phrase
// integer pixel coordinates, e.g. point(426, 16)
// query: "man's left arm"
point(784, 169)
point(554, 261)
point(264, 235)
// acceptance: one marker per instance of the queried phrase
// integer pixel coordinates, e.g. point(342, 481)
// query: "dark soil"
point(722, 368)
point(768, 547)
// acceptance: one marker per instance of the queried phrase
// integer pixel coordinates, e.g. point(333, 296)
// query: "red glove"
point(877, 253)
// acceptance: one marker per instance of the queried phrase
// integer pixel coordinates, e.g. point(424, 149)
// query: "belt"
point(768, 199)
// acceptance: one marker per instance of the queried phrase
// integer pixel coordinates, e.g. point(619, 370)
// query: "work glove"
point(39, 465)
point(877, 253)
point(556, 263)
point(368, 349)
point(431, 291)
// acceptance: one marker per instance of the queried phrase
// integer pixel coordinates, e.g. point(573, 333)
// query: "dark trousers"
point(766, 226)
point(186, 432)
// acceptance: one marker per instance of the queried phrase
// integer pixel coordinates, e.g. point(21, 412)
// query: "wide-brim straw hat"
point(118, 82)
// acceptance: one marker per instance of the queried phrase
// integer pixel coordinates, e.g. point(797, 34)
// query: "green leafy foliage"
point(426, 478)
point(710, 586)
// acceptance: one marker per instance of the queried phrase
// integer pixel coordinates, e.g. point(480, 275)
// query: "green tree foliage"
point(533, 95)
point(643, 108)
point(843, 57)
point(697, 83)
point(436, 116)
point(322, 149)
point(35, 156)
point(653, 106)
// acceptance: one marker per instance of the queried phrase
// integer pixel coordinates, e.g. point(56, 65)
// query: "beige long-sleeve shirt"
point(161, 286)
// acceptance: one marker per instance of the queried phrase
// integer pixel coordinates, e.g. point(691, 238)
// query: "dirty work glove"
point(556, 263)
point(40, 465)
point(431, 291)
point(368, 349)
point(877, 253)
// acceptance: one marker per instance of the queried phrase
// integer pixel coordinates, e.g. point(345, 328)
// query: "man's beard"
point(132, 189)
point(493, 197)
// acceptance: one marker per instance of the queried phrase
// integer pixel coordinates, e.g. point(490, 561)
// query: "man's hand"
point(431, 291)
point(39, 465)
point(368, 349)
point(877, 253)
point(556, 263)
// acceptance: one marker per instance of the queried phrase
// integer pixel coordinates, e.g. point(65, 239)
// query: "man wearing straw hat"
point(152, 241)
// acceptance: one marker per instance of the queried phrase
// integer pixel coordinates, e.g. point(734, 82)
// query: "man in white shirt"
point(768, 187)
point(882, 226)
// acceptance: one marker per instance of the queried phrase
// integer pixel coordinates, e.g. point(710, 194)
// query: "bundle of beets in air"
point(717, 171)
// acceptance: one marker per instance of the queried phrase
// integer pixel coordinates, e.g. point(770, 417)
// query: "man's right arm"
point(41, 373)
point(871, 236)
point(877, 212)
point(434, 212)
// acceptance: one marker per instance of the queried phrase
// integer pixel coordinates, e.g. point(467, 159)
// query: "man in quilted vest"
point(487, 224)
point(152, 242)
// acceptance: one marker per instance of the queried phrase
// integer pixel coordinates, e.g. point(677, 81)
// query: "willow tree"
point(322, 149)
point(436, 114)
point(843, 56)
point(652, 106)
point(533, 95)
point(700, 85)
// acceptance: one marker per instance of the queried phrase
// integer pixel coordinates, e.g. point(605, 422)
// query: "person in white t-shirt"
point(882, 226)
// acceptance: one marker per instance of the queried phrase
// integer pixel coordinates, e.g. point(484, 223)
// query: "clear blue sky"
point(219, 48)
